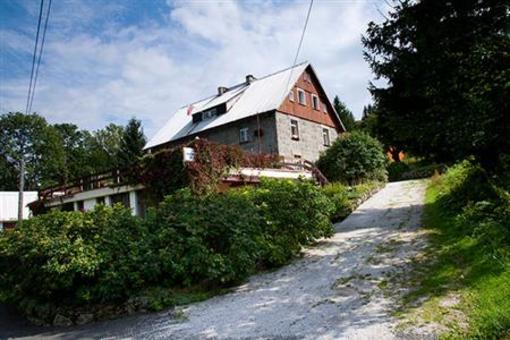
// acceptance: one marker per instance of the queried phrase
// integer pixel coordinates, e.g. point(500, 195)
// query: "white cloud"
point(149, 70)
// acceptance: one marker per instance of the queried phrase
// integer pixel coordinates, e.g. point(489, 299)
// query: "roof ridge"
point(240, 84)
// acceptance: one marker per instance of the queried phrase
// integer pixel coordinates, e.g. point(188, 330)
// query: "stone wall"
point(229, 134)
point(310, 142)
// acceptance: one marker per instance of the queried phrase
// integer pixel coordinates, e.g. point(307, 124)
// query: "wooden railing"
point(111, 178)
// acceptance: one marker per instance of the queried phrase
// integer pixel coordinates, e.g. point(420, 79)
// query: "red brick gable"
point(310, 85)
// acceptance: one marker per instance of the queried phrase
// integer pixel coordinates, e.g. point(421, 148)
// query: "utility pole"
point(21, 189)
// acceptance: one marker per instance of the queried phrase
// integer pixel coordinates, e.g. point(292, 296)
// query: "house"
point(286, 113)
point(9, 207)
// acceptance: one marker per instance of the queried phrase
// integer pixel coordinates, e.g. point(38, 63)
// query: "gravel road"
point(337, 290)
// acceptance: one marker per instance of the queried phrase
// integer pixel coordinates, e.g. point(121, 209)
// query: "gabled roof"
point(242, 101)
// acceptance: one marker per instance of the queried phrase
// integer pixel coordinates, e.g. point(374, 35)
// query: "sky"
point(108, 61)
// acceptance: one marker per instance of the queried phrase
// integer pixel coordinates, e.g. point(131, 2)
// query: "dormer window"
point(301, 97)
point(315, 102)
point(209, 113)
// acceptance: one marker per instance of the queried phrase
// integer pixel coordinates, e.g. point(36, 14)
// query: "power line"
point(299, 45)
point(35, 53)
point(40, 55)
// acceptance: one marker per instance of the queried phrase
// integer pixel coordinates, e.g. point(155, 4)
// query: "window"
point(315, 102)
point(80, 206)
point(100, 200)
point(209, 113)
point(294, 129)
point(291, 95)
point(243, 135)
point(324, 108)
point(325, 137)
point(301, 97)
point(306, 76)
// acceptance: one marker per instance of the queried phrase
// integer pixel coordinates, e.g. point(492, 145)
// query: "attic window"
point(324, 108)
point(209, 113)
point(301, 97)
point(315, 102)
point(307, 77)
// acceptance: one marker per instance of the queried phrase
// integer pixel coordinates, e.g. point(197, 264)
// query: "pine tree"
point(131, 143)
point(345, 114)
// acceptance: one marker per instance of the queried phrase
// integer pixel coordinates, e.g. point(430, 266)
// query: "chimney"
point(222, 90)
point(249, 79)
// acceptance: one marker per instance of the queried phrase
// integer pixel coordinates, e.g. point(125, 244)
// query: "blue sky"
point(107, 61)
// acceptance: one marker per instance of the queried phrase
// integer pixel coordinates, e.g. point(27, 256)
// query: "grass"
point(461, 263)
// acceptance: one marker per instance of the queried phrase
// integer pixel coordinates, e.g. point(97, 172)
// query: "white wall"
point(9, 204)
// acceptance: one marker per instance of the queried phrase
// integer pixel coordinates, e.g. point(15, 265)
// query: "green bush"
point(213, 238)
point(400, 171)
point(187, 241)
point(465, 182)
point(74, 257)
point(353, 158)
point(295, 214)
point(346, 198)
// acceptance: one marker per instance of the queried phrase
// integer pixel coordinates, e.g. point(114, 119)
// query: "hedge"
point(107, 256)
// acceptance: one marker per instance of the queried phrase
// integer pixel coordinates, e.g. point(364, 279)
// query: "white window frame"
point(316, 103)
point(301, 91)
point(294, 124)
point(244, 136)
point(291, 95)
point(324, 107)
point(326, 140)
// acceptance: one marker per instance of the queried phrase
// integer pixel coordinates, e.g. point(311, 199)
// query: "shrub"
point(465, 182)
point(295, 214)
point(353, 158)
point(213, 238)
point(346, 198)
point(400, 171)
point(339, 195)
point(107, 255)
point(74, 257)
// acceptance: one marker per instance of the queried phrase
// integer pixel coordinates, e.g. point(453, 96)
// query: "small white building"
point(9, 207)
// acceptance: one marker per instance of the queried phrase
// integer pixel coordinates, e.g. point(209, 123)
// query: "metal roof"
point(243, 100)
point(9, 204)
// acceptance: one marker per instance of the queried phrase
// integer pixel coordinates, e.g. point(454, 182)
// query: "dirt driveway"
point(337, 290)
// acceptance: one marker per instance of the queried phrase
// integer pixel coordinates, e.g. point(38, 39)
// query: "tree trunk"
point(21, 189)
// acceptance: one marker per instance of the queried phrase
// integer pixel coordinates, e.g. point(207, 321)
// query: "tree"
point(345, 114)
point(103, 146)
point(22, 140)
point(447, 65)
point(131, 143)
point(353, 158)
point(76, 162)
point(8, 175)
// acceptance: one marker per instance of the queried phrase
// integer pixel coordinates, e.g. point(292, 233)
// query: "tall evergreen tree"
point(131, 143)
point(345, 114)
point(447, 65)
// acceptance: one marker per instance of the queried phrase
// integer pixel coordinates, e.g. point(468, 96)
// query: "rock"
point(84, 318)
point(62, 321)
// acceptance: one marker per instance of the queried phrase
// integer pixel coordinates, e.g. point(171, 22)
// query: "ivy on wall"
point(164, 172)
